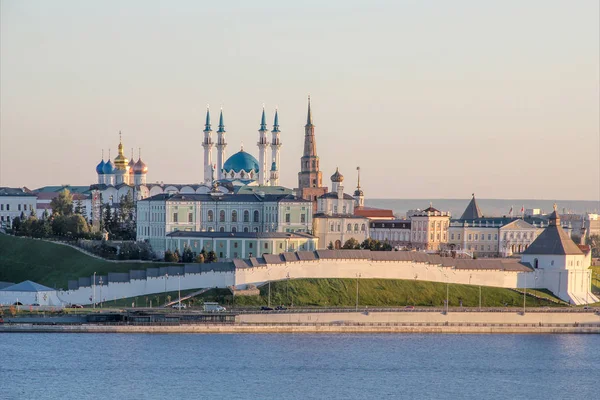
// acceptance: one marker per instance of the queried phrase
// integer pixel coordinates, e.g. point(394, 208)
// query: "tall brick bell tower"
point(310, 179)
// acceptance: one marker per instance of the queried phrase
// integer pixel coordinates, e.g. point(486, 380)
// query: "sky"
point(432, 99)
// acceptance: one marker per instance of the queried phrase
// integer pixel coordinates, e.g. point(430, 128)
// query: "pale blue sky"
point(431, 98)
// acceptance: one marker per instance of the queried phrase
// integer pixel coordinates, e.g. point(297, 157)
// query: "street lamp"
point(524, 294)
point(357, 277)
point(179, 292)
point(479, 297)
point(100, 292)
point(94, 291)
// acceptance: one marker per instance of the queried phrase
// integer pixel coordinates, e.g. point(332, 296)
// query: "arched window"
point(338, 244)
point(355, 227)
point(256, 216)
point(246, 216)
point(222, 216)
point(232, 174)
point(210, 216)
point(234, 216)
point(349, 228)
point(255, 229)
point(222, 229)
point(246, 229)
point(251, 174)
point(332, 229)
point(234, 229)
point(242, 174)
point(362, 228)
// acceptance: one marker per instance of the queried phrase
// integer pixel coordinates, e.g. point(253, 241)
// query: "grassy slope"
point(383, 292)
point(51, 264)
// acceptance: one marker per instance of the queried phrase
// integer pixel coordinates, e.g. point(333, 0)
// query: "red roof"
point(371, 212)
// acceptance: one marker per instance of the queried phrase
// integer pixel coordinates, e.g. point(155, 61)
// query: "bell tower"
point(310, 178)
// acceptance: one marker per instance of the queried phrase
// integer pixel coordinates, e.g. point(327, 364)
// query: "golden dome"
point(121, 161)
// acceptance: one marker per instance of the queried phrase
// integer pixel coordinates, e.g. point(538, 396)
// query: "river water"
point(266, 366)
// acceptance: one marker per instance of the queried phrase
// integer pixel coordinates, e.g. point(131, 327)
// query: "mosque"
point(119, 177)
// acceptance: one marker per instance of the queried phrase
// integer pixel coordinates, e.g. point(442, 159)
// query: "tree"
point(594, 242)
point(199, 258)
point(351, 244)
point(211, 257)
point(107, 218)
point(330, 246)
point(78, 207)
point(16, 225)
point(188, 255)
point(63, 203)
point(127, 207)
point(169, 256)
point(176, 255)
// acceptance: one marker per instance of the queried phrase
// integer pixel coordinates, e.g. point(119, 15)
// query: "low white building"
point(29, 293)
point(13, 203)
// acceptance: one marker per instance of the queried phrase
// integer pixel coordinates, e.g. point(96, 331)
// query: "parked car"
point(265, 308)
point(280, 308)
point(75, 306)
point(212, 306)
point(181, 306)
point(409, 307)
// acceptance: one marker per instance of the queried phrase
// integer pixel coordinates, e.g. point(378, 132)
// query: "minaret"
point(262, 150)
point(207, 144)
point(221, 145)
point(359, 196)
point(310, 178)
point(275, 145)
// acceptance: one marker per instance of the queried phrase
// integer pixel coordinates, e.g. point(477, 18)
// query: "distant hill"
point(489, 207)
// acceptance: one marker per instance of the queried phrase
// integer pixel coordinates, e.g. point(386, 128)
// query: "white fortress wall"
point(339, 268)
point(148, 286)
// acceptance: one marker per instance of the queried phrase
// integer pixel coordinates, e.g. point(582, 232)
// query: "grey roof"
point(6, 191)
point(334, 195)
point(229, 197)
point(241, 235)
point(347, 216)
point(6, 284)
point(27, 286)
point(500, 264)
point(553, 241)
point(472, 211)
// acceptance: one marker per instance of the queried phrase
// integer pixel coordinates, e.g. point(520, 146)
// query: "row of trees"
point(189, 256)
point(367, 244)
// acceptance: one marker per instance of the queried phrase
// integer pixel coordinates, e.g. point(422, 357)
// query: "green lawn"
point(51, 264)
point(385, 293)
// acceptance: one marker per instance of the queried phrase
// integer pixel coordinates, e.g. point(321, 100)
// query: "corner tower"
point(310, 178)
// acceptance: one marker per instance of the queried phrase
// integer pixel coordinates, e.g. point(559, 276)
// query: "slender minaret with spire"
point(208, 145)
point(359, 196)
point(310, 178)
point(221, 145)
point(275, 145)
point(262, 150)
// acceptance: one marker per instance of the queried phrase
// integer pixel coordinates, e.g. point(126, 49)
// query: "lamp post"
point(525, 294)
point(100, 292)
point(269, 297)
point(166, 279)
point(287, 287)
point(179, 294)
point(479, 297)
point(94, 291)
point(357, 277)
point(447, 293)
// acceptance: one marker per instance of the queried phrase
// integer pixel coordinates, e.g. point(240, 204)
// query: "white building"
point(394, 231)
point(29, 293)
point(564, 266)
point(13, 203)
point(335, 221)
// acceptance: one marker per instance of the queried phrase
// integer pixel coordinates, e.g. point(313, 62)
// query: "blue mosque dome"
point(109, 168)
point(241, 161)
point(100, 168)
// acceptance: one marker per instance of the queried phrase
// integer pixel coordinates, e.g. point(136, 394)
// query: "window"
point(349, 228)
point(287, 218)
point(470, 237)
point(235, 245)
point(222, 216)
point(235, 254)
point(452, 236)
point(266, 246)
point(1, 207)
point(210, 216)
point(344, 209)
point(19, 207)
point(332, 228)
point(250, 245)
point(175, 217)
point(489, 236)
point(255, 229)
point(335, 209)
point(355, 227)
point(234, 229)
point(190, 217)
point(496, 236)
point(8, 207)
point(256, 216)
point(222, 229)
point(234, 216)
point(476, 236)
point(303, 218)
point(246, 216)
point(362, 228)
point(246, 229)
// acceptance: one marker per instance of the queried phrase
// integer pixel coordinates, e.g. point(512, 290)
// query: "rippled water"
point(181, 366)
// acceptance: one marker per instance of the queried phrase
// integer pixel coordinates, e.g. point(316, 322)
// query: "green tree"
point(107, 218)
point(594, 242)
point(169, 256)
point(78, 207)
point(211, 257)
point(199, 258)
point(127, 207)
point(16, 225)
point(176, 255)
point(63, 203)
point(351, 244)
point(330, 246)
point(188, 255)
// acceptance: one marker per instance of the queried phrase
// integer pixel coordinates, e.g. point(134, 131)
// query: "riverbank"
point(328, 322)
